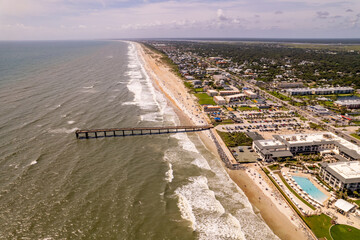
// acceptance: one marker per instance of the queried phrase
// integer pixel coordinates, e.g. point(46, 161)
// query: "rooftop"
point(344, 205)
point(347, 170)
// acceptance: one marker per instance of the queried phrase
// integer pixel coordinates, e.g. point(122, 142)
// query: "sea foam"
point(169, 174)
point(207, 216)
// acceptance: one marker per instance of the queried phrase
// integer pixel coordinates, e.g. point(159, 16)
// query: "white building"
point(210, 108)
point(219, 100)
point(227, 93)
point(320, 110)
point(283, 146)
point(212, 92)
point(250, 94)
point(235, 98)
point(289, 85)
point(344, 207)
point(353, 104)
point(211, 70)
point(319, 91)
point(342, 175)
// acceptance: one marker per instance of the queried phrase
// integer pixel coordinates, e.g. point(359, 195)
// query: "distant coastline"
point(322, 41)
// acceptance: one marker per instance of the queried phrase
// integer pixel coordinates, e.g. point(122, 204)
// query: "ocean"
point(54, 186)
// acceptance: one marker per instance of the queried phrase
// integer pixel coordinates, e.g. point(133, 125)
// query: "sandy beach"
point(279, 217)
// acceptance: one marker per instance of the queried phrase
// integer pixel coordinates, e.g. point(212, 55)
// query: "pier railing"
point(119, 132)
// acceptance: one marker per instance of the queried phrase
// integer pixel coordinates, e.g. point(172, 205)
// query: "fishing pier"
point(122, 132)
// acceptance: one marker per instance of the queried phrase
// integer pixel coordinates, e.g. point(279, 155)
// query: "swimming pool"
point(310, 188)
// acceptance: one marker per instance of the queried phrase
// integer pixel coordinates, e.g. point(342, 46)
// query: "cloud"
point(177, 18)
point(322, 14)
point(221, 16)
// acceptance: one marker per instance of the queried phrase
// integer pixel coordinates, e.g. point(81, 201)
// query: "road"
point(307, 114)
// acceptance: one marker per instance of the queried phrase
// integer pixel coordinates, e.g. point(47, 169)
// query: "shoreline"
point(188, 111)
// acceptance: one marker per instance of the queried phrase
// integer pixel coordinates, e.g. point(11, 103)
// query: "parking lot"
point(263, 125)
point(244, 154)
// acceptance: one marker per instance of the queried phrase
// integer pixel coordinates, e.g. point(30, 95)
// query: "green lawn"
point(235, 139)
point(357, 202)
point(247, 108)
point(320, 225)
point(205, 99)
point(344, 232)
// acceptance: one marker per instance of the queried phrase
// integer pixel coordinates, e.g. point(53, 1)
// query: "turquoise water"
point(310, 188)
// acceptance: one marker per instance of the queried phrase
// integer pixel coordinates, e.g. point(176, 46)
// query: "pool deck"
point(317, 185)
point(294, 199)
point(351, 220)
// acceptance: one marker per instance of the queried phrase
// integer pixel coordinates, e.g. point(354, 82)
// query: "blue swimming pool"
point(310, 188)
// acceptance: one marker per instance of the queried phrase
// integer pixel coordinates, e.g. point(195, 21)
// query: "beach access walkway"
point(122, 132)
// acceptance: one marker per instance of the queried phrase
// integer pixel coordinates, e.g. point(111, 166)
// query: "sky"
point(104, 19)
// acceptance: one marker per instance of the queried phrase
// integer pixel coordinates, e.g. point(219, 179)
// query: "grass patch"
point(235, 139)
point(188, 85)
point(355, 135)
point(320, 225)
point(357, 123)
point(316, 126)
point(223, 122)
point(247, 108)
point(295, 193)
point(198, 90)
point(274, 167)
point(303, 118)
point(345, 232)
point(357, 202)
point(280, 96)
point(205, 99)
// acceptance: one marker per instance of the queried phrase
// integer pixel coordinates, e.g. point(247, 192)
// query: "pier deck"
point(119, 132)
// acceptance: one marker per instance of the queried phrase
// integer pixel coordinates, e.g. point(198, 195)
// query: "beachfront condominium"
point(284, 146)
point(319, 91)
point(342, 175)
